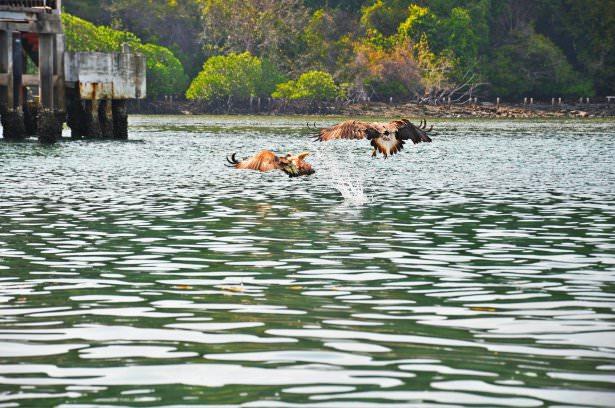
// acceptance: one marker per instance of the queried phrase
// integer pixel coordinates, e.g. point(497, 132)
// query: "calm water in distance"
point(478, 270)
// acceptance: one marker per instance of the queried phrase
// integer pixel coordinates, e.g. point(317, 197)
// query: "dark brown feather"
point(406, 130)
point(351, 129)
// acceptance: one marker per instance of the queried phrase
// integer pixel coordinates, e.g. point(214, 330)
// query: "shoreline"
point(481, 110)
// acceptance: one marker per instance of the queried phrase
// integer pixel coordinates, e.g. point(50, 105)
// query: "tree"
point(91, 10)
point(327, 45)
point(585, 31)
point(174, 24)
point(383, 17)
point(269, 29)
point(238, 77)
point(452, 34)
point(533, 65)
point(383, 73)
point(312, 85)
point(452, 41)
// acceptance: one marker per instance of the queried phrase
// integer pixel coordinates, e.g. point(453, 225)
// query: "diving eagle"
point(266, 160)
point(386, 138)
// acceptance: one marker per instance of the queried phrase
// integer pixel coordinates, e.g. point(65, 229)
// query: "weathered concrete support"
point(13, 125)
point(48, 127)
point(105, 117)
point(49, 131)
point(11, 113)
point(6, 68)
point(18, 69)
point(75, 115)
point(30, 113)
point(45, 70)
point(120, 119)
point(59, 93)
point(92, 124)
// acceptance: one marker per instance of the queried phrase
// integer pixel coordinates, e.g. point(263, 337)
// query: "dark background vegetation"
point(405, 49)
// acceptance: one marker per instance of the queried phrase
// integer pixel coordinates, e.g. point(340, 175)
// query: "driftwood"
point(461, 93)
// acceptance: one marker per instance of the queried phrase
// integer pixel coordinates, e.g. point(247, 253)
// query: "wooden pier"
point(88, 90)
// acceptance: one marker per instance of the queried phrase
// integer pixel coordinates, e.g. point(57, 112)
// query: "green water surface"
point(477, 270)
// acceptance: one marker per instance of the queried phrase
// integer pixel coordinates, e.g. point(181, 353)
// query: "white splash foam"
point(341, 175)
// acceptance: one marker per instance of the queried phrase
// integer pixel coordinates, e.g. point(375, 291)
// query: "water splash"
point(341, 175)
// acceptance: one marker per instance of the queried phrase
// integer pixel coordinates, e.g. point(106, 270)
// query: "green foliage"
point(585, 30)
point(165, 73)
point(312, 85)
point(365, 42)
point(234, 76)
point(384, 72)
point(533, 65)
point(383, 16)
point(81, 35)
point(175, 24)
point(95, 11)
point(267, 29)
point(453, 34)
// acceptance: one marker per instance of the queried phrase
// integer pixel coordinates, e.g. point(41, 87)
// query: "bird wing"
point(406, 130)
point(350, 129)
point(265, 160)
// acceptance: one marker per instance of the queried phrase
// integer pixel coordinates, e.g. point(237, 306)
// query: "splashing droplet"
point(341, 175)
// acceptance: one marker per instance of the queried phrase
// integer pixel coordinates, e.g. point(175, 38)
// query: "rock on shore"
point(481, 110)
point(381, 109)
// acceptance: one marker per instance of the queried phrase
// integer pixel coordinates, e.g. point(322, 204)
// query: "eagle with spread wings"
point(266, 160)
point(386, 138)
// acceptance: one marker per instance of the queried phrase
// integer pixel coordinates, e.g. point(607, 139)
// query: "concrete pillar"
point(11, 113)
point(6, 68)
point(105, 118)
point(49, 129)
point(45, 69)
point(75, 114)
point(92, 127)
point(59, 98)
point(18, 70)
point(120, 119)
point(13, 124)
point(30, 113)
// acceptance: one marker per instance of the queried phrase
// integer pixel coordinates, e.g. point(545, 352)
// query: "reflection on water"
point(476, 270)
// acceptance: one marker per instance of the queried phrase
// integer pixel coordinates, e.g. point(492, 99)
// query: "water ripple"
point(476, 270)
